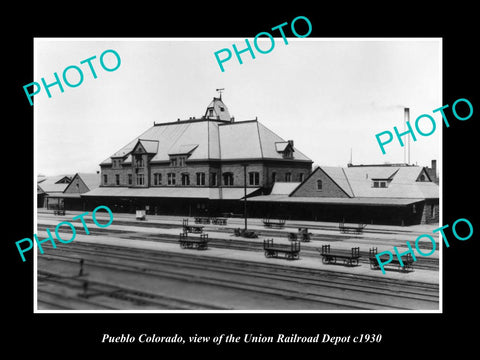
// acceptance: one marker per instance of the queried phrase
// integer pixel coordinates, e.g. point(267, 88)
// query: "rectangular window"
point(253, 178)
point(178, 161)
point(117, 179)
point(105, 179)
point(288, 177)
point(227, 179)
point(130, 179)
point(274, 176)
point(157, 179)
point(116, 163)
point(200, 178)
point(139, 161)
point(380, 183)
point(300, 177)
point(140, 179)
point(213, 179)
point(319, 185)
point(432, 211)
point(170, 179)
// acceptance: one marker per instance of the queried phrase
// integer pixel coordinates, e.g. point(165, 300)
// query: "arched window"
point(185, 179)
point(319, 185)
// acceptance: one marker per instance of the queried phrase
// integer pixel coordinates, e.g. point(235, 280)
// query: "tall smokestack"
point(407, 119)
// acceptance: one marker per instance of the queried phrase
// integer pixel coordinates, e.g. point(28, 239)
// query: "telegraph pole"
point(245, 194)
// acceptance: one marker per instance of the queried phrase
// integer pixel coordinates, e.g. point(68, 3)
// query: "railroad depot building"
point(204, 166)
point(50, 190)
point(369, 194)
point(63, 192)
point(197, 166)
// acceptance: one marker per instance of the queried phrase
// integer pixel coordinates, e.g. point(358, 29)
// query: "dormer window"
point(285, 148)
point(377, 183)
point(116, 163)
point(178, 161)
point(139, 161)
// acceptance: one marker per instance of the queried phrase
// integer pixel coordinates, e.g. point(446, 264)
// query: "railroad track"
point(324, 288)
point(291, 225)
point(427, 263)
point(79, 292)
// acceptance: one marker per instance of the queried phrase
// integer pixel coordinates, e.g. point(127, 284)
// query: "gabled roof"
point(337, 174)
point(149, 146)
point(403, 181)
point(53, 183)
point(281, 146)
point(92, 180)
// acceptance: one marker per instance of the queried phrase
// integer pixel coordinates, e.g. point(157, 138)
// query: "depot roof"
point(332, 200)
point(172, 192)
point(209, 138)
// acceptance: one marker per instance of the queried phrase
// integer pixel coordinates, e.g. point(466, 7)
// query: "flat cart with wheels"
point(290, 251)
point(374, 265)
point(350, 258)
point(199, 243)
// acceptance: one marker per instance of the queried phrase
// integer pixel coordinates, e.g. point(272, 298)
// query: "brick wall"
point(281, 171)
point(107, 170)
point(76, 186)
point(431, 212)
point(329, 188)
point(264, 169)
point(191, 169)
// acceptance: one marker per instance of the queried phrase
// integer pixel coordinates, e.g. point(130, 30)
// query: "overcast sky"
point(328, 95)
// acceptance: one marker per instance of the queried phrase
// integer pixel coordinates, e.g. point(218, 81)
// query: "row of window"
point(184, 179)
point(288, 177)
point(253, 177)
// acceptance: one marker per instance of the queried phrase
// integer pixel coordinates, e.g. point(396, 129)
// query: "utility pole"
point(245, 194)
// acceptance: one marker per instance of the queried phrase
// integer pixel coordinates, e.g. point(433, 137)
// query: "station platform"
point(384, 242)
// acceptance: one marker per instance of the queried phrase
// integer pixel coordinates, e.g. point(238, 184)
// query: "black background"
point(67, 335)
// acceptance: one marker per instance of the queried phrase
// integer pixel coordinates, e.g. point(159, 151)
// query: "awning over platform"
point(340, 201)
point(172, 192)
point(64, 195)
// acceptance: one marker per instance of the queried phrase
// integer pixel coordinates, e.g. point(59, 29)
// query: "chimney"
point(434, 165)
point(407, 119)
